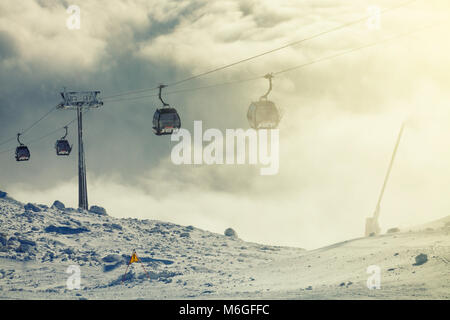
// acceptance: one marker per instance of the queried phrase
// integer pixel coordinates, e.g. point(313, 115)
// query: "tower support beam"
point(82, 184)
point(372, 225)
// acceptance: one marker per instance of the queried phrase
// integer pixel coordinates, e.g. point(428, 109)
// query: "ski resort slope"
point(38, 244)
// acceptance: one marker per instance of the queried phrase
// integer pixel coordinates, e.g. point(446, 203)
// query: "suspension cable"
point(31, 126)
point(330, 57)
point(291, 44)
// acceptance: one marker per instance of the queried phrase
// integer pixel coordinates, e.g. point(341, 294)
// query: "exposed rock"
point(421, 259)
point(116, 226)
point(2, 194)
point(58, 205)
point(32, 207)
point(13, 243)
point(185, 235)
point(65, 230)
point(69, 252)
point(110, 258)
point(27, 242)
point(3, 239)
point(230, 233)
point(48, 256)
point(98, 210)
point(393, 230)
point(111, 266)
point(26, 248)
point(113, 226)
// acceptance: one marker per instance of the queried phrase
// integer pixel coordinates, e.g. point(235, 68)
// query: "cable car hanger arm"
point(268, 76)
point(161, 86)
point(65, 127)
point(18, 139)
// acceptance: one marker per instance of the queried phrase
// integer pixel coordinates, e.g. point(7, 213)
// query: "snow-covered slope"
point(437, 224)
point(38, 244)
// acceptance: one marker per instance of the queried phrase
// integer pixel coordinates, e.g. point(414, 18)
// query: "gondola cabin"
point(263, 114)
point(166, 121)
point(63, 148)
point(22, 153)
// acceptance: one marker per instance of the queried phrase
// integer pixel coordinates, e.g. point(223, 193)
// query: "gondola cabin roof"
point(166, 110)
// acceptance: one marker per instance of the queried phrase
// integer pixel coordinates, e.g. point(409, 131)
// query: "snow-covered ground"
point(38, 244)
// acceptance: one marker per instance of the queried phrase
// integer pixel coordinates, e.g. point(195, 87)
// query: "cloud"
point(7, 46)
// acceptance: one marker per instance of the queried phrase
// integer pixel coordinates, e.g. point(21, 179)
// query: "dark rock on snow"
point(32, 207)
point(65, 230)
point(230, 233)
point(3, 239)
point(112, 258)
point(421, 259)
point(113, 226)
point(98, 210)
point(58, 205)
point(393, 230)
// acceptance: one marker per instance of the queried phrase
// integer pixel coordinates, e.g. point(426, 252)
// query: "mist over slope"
point(38, 244)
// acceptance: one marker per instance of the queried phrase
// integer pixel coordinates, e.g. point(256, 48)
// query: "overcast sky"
point(340, 117)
